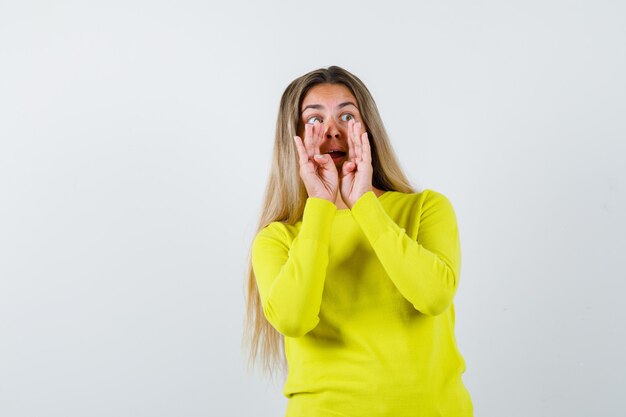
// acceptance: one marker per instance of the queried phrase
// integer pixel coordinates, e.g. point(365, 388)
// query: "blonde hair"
point(285, 194)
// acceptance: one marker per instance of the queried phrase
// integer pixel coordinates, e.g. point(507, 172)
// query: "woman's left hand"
point(356, 171)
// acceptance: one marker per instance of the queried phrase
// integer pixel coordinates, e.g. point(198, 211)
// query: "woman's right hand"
point(318, 172)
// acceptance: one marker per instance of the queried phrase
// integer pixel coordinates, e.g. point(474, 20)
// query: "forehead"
point(328, 95)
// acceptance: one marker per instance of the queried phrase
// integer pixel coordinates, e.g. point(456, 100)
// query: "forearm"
point(291, 277)
point(426, 276)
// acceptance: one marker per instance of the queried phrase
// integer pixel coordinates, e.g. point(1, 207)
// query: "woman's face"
point(334, 106)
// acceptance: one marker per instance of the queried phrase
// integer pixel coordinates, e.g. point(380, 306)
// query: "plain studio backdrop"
point(136, 141)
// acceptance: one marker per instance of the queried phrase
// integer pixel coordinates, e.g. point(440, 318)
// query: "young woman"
point(353, 272)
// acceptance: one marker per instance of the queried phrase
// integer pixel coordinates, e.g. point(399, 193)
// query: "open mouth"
point(336, 155)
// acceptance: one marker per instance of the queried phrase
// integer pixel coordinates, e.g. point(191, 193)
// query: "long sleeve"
point(290, 274)
point(425, 270)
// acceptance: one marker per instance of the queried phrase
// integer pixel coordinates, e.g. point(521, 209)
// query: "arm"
point(425, 271)
point(290, 275)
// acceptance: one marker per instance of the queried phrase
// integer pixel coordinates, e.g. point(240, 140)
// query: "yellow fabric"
point(364, 298)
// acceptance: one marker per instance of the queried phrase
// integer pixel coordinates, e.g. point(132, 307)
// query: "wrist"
point(354, 201)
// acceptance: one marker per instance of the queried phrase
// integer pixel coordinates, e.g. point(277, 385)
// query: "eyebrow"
point(319, 106)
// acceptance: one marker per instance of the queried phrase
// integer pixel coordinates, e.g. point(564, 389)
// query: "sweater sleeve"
point(290, 274)
point(426, 270)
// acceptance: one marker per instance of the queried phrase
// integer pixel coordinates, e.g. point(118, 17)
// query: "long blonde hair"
point(285, 194)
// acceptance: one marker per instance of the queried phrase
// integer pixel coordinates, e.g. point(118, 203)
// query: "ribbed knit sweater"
point(364, 300)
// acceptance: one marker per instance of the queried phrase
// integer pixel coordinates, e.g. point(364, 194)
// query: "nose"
point(331, 130)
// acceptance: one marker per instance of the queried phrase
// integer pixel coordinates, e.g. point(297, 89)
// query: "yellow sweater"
point(364, 300)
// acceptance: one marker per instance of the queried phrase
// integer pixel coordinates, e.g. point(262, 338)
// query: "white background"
point(136, 139)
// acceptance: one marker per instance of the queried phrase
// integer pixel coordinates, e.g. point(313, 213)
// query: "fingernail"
point(318, 156)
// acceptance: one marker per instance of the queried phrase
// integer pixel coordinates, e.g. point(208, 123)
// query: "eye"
point(311, 120)
point(347, 117)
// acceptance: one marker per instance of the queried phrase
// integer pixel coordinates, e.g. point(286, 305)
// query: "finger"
point(347, 168)
point(318, 131)
point(351, 150)
point(367, 150)
point(308, 140)
point(303, 158)
point(357, 141)
point(325, 162)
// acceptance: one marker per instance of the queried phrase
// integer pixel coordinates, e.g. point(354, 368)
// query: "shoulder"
point(277, 232)
point(437, 210)
point(425, 203)
point(434, 199)
point(421, 199)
